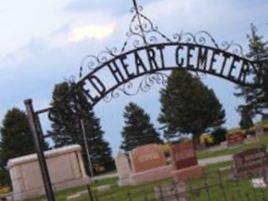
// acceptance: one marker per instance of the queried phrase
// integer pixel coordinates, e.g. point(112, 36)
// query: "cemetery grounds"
point(216, 185)
point(211, 187)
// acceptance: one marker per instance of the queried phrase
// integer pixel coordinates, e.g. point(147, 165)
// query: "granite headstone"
point(250, 162)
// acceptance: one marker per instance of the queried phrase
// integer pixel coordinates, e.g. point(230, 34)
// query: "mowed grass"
point(262, 141)
point(229, 190)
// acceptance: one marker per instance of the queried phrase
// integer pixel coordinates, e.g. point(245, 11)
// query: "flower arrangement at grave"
point(4, 189)
point(206, 139)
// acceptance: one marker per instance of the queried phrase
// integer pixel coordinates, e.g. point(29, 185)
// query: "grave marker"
point(185, 162)
point(149, 164)
point(236, 138)
point(147, 157)
point(259, 130)
point(184, 155)
point(123, 169)
point(250, 162)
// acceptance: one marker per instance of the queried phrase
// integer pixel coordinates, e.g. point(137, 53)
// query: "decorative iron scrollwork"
point(142, 34)
point(205, 38)
point(130, 89)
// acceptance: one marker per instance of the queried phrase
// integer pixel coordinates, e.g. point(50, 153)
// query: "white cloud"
point(14, 58)
point(91, 31)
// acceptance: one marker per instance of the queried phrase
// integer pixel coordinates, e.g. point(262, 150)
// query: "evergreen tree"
point(246, 118)
point(188, 106)
point(69, 106)
point(4, 176)
point(137, 130)
point(16, 139)
point(256, 98)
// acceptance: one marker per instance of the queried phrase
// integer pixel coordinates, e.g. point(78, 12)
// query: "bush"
point(4, 189)
point(4, 177)
point(265, 128)
point(219, 135)
point(250, 132)
point(206, 139)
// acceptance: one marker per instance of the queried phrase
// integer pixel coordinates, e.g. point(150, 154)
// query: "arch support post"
point(36, 130)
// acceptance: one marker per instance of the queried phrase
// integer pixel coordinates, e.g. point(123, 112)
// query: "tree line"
point(187, 107)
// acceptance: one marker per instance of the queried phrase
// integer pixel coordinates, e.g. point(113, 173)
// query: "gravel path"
point(219, 159)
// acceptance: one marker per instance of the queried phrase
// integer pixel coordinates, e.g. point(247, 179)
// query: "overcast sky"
point(43, 42)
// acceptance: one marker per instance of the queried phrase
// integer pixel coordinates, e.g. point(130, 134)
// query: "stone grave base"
point(41, 191)
point(187, 174)
point(125, 182)
point(151, 175)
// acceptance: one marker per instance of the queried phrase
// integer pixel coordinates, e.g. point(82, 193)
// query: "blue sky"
point(43, 42)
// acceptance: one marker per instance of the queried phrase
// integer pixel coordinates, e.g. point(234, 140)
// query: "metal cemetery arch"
point(148, 58)
point(121, 72)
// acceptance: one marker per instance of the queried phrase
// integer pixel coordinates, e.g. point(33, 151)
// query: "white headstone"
point(123, 169)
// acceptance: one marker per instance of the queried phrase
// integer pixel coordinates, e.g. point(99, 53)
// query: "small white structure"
point(66, 169)
point(123, 169)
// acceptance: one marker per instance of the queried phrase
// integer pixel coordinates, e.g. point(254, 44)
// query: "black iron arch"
point(150, 61)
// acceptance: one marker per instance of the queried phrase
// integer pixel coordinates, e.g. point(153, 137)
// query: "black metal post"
point(91, 198)
point(38, 142)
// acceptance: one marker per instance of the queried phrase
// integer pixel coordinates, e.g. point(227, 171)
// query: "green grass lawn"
point(232, 189)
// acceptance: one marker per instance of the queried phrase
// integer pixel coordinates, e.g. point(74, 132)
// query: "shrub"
point(219, 135)
point(4, 178)
point(206, 139)
point(265, 128)
point(251, 132)
point(4, 189)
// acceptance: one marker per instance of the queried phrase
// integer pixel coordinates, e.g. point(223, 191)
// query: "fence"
point(213, 186)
